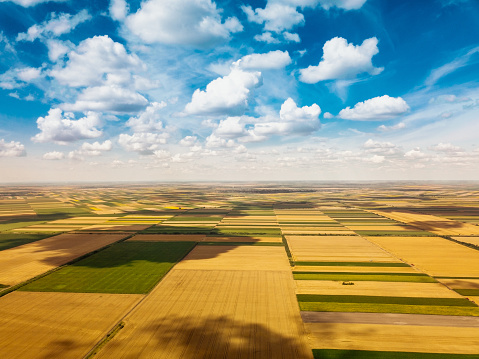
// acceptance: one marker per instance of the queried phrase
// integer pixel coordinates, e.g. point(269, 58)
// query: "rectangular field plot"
point(336, 248)
point(387, 304)
point(127, 267)
point(27, 261)
point(10, 240)
point(369, 354)
point(215, 314)
point(433, 224)
point(433, 255)
point(243, 258)
point(167, 238)
point(364, 276)
point(372, 288)
point(58, 325)
point(401, 338)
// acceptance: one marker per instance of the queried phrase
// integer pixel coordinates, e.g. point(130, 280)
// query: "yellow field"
point(434, 255)
point(57, 325)
point(433, 224)
point(386, 289)
point(403, 338)
point(251, 239)
point(336, 248)
point(243, 258)
point(21, 263)
point(219, 302)
point(117, 227)
point(168, 237)
point(381, 228)
point(470, 240)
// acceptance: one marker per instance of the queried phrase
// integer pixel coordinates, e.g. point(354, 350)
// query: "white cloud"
point(276, 17)
point(63, 129)
point(384, 148)
point(54, 156)
point(225, 95)
point(266, 37)
point(95, 61)
point(293, 120)
point(415, 154)
point(57, 49)
point(96, 148)
point(446, 147)
point(399, 126)
point(291, 37)
point(148, 120)
point(28, 3)
point(328, 115)
point(188, 141)
point(270, 60)
point(214, 141)
point(28, 74)
point(342, 60)
point(375, 159)
point(107, 98)
point(342, 4)
point(11, 149)
point(230, 128)
point(118, 9)
point(58, 25)
point(182, 22)
point(144, 143)
point(377, 108)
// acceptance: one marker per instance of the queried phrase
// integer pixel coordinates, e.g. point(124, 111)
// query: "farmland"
point(214, 271)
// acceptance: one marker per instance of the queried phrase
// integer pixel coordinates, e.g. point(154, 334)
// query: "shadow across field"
point(216, 337)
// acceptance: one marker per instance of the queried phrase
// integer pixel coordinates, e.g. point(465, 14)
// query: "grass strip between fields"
point(453, 302)
point(467, 292)
point(352, 264)
point(388, 308)
point(367, 354)
point(379, 277)
point(126, 267)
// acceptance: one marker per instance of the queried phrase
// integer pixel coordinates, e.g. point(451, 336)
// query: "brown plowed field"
point(24, 262)
point(57, 325)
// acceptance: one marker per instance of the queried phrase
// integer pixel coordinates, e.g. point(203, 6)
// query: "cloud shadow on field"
point(212, 338)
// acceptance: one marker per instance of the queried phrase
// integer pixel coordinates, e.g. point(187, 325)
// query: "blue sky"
point(166, 90)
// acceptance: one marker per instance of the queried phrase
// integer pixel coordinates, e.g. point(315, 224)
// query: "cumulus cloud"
point(16, 77)
point(377, 108)
point(54, 156)
point(446, 147)
point(399, 126)
point(144, 143)
point(225, 95)
point(58, 49)
point(230, 128)
point(342, 4)
point(214, 141)
point(107, 98)
point(149, 120)
point(95, 61)
point(118, 9)
point(293, 120)
point(270, 60)
point(59, 24)
point(266, 37)
point(384, 148)
point(11, 149)
point(195, 23)
point(62, 128)
point(415, 154)
point(291, 37)
point(343, 60)
point(28, 3)
point(188, 141)
point(276, 17)
point(28, 74)
point(96, 148)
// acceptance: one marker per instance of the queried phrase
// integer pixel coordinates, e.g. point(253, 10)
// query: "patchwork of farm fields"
point(240, 271)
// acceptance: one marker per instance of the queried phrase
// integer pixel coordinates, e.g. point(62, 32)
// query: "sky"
point(272, 90)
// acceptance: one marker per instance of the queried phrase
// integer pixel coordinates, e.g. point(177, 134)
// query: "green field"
point(468, 292)
point(9, 225)
point(352, 264)
point(354, 276)
point(366, 354)
point(245, 232)
point(10, 240)
point(177, 230)
point(454, 302)
point(126, 267)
